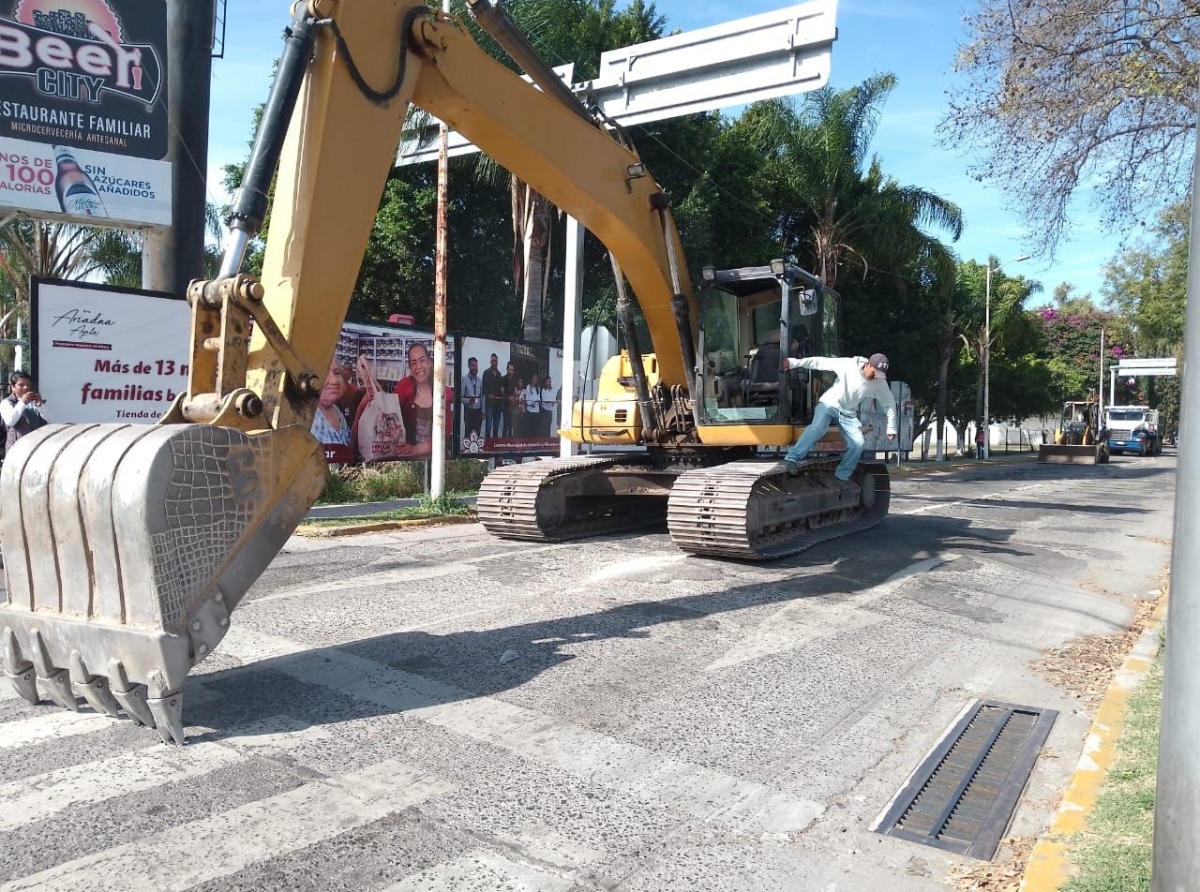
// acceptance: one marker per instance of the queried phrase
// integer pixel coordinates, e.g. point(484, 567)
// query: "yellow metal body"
point(174, 522)
point(341, 146)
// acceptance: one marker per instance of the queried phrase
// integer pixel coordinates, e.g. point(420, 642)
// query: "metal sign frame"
point(762, 56)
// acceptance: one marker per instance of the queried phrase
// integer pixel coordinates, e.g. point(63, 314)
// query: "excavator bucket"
point(126, 547)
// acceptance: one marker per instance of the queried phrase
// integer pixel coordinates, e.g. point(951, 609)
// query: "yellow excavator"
point(127, 547)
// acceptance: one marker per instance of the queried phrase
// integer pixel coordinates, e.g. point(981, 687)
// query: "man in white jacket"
point(858, 379)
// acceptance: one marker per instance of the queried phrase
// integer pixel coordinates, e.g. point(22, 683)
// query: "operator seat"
point(760, 387)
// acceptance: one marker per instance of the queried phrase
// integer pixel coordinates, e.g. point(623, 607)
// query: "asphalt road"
point(440, 710)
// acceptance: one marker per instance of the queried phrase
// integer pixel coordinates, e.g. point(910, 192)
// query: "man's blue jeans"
point(851, 429)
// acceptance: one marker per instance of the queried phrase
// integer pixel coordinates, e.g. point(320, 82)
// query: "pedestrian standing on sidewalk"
point(858, 379)
point(980, 440)
point(21, 410)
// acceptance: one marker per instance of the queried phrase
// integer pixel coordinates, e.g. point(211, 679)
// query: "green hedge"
point(379, 481)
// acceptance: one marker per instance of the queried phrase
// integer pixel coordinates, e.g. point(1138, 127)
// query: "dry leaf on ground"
point(1085, 667)
point(1002, 874)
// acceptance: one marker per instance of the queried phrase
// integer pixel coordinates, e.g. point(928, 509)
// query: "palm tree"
point(47, 250)
point(832, 206)
point(561, 30)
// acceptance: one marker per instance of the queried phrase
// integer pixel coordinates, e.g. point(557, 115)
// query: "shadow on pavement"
point(431, 668)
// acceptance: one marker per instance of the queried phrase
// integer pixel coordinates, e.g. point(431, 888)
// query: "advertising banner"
point(510, 398)
point(83, 110)
point(103, 354)
point(377, 402)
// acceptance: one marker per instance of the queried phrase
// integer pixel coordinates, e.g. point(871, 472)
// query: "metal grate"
point(962, 796)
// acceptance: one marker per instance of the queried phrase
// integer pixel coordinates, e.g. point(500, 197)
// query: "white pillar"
point(572, 323)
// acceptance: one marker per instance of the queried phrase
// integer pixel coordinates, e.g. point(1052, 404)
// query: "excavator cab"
point(749, 317)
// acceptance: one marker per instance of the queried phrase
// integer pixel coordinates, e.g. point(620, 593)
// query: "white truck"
point(1133, 429)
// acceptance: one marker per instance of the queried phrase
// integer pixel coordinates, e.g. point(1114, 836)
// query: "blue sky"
point(914, 40)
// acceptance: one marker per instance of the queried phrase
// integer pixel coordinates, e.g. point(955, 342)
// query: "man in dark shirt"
point(21, 410)
point(493, 399)
point(511, 394)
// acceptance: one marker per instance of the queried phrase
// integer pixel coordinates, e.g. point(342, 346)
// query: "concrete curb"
point(1049, 866)
point(359, 509)
point(383, 526)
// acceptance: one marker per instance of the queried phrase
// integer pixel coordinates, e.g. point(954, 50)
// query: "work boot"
point(791, 466)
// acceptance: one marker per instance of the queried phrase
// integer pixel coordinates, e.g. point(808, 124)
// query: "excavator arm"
point(126, 547)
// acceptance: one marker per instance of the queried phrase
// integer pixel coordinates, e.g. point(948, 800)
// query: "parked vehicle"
point(1133, 429)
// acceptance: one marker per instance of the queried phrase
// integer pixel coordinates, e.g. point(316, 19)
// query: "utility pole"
point(437, 456)
point(987, 352)
point(172, 257)
point(1176, 858)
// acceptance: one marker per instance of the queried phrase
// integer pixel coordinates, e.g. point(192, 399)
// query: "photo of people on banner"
point(377, 401)
point(511, 397)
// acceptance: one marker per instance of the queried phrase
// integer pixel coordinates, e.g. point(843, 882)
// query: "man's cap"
point(880, 362)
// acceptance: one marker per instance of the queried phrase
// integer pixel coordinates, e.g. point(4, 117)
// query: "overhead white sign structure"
point(103, 354)
point(1147, 367)
point(764, 56)
point(1138, 368)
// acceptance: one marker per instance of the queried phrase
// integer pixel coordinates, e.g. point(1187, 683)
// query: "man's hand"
point(783, 364)
point(891, 436)
point(32, 396)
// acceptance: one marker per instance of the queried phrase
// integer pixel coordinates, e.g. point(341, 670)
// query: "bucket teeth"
point(126, 548)
point(168, 716)
point(57, 686)
point(132, 697)
point(54, 681)
point(18, 669)
point(93, 687)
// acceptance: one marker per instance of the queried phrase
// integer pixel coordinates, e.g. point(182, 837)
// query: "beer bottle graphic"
point(77, 194)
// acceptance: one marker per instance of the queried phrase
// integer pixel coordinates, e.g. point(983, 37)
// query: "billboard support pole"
point(158, 254)
point(172, 258)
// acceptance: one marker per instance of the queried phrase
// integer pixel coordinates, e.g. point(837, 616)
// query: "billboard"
point(512, 402)
point(377, 402)
point(104, 354)
point(83, 110)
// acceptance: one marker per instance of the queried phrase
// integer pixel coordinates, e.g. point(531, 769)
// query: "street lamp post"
point(987, 352)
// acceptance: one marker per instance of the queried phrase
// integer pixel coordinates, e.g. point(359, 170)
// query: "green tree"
point(1059, 95)
point(1011, 339)
point(834, 206)
point(1148, 285)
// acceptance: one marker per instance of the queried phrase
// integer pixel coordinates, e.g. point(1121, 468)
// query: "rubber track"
point(510, 496)
point(709, 508)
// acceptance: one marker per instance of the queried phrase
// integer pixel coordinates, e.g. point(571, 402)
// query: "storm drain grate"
point(964, 793)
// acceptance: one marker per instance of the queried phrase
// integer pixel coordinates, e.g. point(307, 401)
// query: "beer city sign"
point(83, 110)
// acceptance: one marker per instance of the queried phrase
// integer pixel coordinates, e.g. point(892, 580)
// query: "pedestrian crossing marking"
point(33, 799)
point(222, 844)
